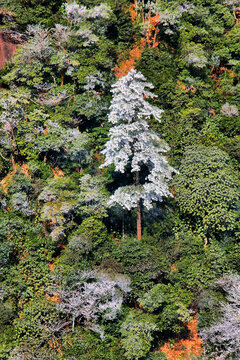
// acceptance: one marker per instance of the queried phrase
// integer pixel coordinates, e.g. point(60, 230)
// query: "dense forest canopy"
point(119, 180)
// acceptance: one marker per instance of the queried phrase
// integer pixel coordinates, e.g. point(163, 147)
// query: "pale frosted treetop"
point(76, 13)
point(129, 102)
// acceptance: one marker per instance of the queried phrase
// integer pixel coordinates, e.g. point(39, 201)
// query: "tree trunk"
point(123, 226)
point(205, 239)
point(139, 220)
point(13, 162)
point(139, 213)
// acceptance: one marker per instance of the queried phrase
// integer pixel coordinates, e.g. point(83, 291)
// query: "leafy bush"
point(137, 334)
point(170, 303)
point(144, 263)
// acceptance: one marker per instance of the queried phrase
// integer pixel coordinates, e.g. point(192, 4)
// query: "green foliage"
point(197, 271)
point(207, 189)
point(94, 230)
point(137, 334)
point(86, 344)
point(58, 199)
point(92, 200)
point(54, 221)
point(87, 244)
point(5, 252)
point(158, 64)
point(144, 263)
point(30, 349)
point(162, 294)
point(6, 314)
point(185, 243)
point(7, 341)
point(233, 256)
point(35, 12)
point(157, 355)
point(171, 303)
point(38, 320)
point(209, 306)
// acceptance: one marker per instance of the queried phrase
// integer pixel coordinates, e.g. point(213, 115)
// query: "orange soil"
point(149, 39)
point(126, 65)
point(54, 298)
point(57, 172)
point(7, 179)
point(51, 266)
point(184, 87)
point(184, 348)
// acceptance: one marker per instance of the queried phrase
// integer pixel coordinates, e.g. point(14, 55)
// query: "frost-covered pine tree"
point(133, 145)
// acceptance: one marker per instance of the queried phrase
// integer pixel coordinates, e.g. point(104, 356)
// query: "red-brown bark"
point(9, 42)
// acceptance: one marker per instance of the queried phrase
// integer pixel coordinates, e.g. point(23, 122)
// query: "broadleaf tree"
point(133, 146)
point(207, 189)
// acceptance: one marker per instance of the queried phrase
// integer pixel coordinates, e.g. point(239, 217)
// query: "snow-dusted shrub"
point(223, 336)
point(93, 295)
point(76, 13)
point(229, 110)
point(20, 203)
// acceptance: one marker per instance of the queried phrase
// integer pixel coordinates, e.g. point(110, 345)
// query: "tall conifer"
point(134, 146)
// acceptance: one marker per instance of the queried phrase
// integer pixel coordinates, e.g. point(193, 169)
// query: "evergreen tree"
point(135, 147)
